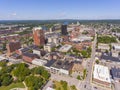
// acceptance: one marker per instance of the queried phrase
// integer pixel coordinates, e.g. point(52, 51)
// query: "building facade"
point(38, 36)
point(12, 47)
point(64, 29)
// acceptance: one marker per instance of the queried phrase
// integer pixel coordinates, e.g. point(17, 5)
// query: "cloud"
point(14, 14)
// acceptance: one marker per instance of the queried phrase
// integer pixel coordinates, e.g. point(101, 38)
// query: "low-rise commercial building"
point(109, 57)
point(61, 67)
point(48, 47)
point(82, 38)
point(101, 76)
point(65, 48)
point(115, 49)
point(29, 57)
point(49, 64)
point(52, 55)
point(54, 39)
point(39, 62)
point(103, 47)
point(115, 72)
point(12, 47)
point(21, 51)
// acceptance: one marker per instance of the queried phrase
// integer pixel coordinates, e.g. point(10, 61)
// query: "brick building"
point(12, 47)
point(38, 36)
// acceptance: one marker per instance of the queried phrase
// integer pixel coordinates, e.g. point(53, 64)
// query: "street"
point(80, 85)
point(87, 83)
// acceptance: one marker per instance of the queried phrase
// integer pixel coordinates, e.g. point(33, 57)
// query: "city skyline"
point(59, 9)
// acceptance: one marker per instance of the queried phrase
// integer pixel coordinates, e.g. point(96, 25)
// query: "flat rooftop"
point(62, 64)
point(50, 63)
point(101, 73)
point(65, 48)
point(116, 46)
point(103, 45)
point(110, 58)
point(115, 72)
point(30, 55)
point(24, 49)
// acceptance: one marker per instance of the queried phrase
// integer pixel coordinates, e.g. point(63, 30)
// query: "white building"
point(101, 75)
point(64, 71)
point(37, 51)
point(116, 46)
point(82, 38)
point(103, 47)
point(39, 62)
point(48, 47)
point(115, 49)
point(65, 48)
point(54, 39)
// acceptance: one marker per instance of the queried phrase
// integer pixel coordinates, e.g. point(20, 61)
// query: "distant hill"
point(58, 21)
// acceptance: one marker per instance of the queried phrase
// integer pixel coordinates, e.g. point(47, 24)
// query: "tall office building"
point(38, 36)
point(64, 29)
point(12, 47)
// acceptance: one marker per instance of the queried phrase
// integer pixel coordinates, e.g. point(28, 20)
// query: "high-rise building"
point(12, 47)
point(38, 36)
point(64, 29)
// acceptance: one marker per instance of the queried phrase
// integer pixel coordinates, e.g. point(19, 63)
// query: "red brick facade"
point(12, 47)
point(38, 36)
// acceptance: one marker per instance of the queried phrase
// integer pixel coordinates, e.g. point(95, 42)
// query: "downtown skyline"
point(59, 9)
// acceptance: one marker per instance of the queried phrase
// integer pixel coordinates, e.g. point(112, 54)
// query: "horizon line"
point(53, 19)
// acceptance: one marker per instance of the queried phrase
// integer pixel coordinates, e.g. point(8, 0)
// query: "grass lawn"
point(59, 86)
point(13, 85)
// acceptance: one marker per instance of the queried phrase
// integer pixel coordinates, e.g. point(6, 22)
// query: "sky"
point(59, 9)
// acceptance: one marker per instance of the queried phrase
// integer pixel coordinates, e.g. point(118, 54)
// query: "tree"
point(41, 47)
point(7, 69)
point(84, 54)
point(6, 79)
point(78, 77)
point(1, 51)
point(53, 49)
point(85, 32)
point(41, 71)
point(34, 82)
point(58, 46)
point(31, 51)
point(73, 87)
point(110, 47)
point(106, 39)
point(21, 71)
point(106, 51)
point(89, 49)
point(84, 73)
point(3, 64)
point(45, 74)
point(64, 84)
point(37, 70)
point(97, 61)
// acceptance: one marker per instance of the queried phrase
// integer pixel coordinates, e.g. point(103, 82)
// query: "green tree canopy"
point(34, 82)
point(21, 71)
point(6, 79)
